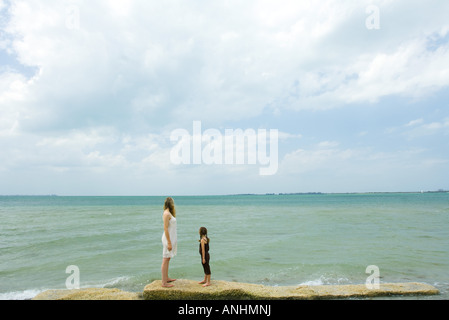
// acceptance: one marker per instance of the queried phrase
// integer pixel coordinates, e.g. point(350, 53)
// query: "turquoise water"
point(265, 239)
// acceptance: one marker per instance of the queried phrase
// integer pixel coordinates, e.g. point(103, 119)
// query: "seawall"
point(223, 290)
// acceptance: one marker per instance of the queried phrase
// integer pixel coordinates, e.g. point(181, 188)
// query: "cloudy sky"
point(90, 92)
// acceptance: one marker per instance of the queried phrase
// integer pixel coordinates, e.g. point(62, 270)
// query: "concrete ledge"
point(223, 290)
point(88, 294)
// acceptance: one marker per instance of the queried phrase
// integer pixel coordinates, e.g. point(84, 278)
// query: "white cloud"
point(285, 135)
point(412, 71)
point(328, 144)
point(112, 77)
point(433, 126)
point(13, 87)
point(335, 169)
point(414, 122)
point(420, 128)
point(321, 158)
point(218, 62)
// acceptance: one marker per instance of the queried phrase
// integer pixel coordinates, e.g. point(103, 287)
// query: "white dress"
point(173, 238)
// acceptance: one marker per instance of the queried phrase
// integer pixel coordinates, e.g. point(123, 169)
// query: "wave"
point(29, 294)
point(316, 282)
point(20, 295)
point(324, 280)
point(116, 281)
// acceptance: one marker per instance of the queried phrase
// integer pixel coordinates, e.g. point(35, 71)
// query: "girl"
point(169, 240)
point(204, 252)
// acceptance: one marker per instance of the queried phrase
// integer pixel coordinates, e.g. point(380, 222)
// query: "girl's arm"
point(203, 250)
point(166, 219)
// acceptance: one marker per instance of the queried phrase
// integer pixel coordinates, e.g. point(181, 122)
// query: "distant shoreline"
point(236, 194)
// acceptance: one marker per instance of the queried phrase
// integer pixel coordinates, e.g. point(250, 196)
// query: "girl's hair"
point(203, 233)
point(170, 205)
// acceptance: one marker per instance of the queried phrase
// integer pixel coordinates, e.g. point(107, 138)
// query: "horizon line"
point(231, 194)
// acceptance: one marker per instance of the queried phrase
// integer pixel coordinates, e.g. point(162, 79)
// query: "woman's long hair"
point(170, 205)
point(203, 233)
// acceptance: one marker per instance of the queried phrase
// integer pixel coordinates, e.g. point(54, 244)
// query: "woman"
point(169, 240)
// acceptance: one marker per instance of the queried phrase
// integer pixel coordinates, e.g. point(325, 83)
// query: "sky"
point(91, 92)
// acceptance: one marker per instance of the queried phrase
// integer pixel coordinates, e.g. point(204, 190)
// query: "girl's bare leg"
point(207, 282)
point(164, 271)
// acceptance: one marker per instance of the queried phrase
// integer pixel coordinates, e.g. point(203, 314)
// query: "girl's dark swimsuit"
point(206, 266)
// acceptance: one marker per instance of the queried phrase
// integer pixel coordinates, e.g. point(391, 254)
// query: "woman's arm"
point(203, 250)
point(166, 218)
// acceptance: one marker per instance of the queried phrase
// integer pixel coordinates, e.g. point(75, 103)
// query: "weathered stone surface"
point(222, 290)
point(88, 294)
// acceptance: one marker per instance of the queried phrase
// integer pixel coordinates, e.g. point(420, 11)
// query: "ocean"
point(276, 240)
